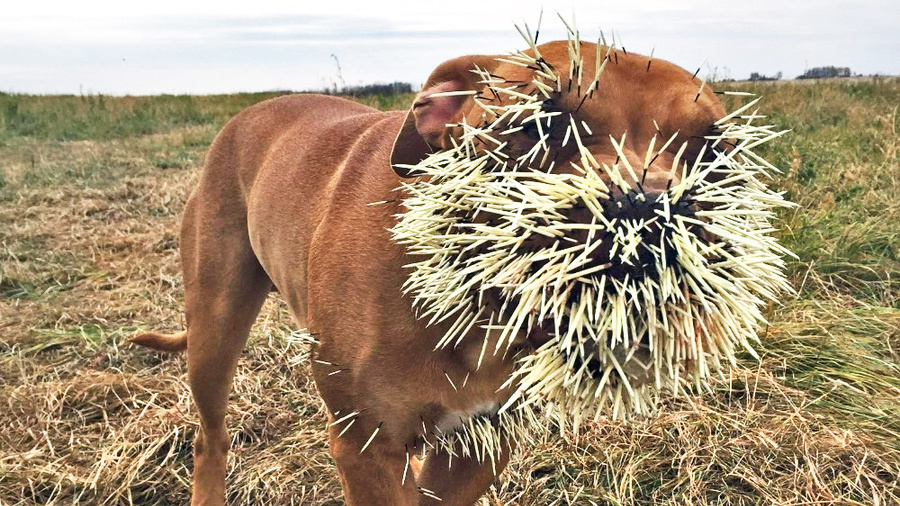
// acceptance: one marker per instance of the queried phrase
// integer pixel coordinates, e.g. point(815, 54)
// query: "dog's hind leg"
point(225, 286)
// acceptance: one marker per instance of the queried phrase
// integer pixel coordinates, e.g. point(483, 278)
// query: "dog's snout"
point(634, 205)
point(633, 242)
point(637, 242)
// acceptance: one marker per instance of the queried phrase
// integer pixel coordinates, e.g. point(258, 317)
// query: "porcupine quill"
point(372, 437)
point(666, 308)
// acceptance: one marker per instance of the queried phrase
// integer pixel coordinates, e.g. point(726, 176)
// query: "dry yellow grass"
point(88, 231)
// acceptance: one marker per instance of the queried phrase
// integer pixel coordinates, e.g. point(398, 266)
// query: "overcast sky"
point(184, 46)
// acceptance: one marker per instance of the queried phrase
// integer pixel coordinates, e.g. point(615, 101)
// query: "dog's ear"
point(425, 129)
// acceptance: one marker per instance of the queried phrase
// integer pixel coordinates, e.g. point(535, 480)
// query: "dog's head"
point(598, 207)
point(635, 96)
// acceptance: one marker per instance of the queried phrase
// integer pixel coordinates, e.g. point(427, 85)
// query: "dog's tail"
point(162, 342)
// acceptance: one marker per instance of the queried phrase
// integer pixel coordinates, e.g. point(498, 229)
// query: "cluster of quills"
point(638, 299)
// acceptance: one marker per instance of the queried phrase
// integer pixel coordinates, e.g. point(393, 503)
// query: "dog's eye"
point(531, 130)
point(530, 127)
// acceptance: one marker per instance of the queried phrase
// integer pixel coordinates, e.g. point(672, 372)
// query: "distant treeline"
point(395, 88)
point(826, 72)
point(813, 73)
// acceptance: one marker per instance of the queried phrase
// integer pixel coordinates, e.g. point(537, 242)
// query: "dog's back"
point(260, 192)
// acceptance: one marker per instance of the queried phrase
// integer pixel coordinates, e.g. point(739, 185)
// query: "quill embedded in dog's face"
point(610, 216)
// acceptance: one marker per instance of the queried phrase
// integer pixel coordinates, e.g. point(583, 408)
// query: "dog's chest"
point(453, 420)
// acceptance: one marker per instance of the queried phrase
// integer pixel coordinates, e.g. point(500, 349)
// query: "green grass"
point(54, 141)
point(91, 189)
point(93, 117)
point(840, 164)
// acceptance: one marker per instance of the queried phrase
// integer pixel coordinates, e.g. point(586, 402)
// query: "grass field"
point(91, 189)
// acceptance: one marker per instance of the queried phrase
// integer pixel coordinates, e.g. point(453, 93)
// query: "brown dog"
point(284, 203)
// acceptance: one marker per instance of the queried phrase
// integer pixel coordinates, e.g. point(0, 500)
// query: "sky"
point(225, 46)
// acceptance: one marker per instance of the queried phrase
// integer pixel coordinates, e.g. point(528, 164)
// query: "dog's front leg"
point(372, 475)
point(459, 481)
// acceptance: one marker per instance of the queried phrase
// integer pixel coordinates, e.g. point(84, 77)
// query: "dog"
point(285, 203)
